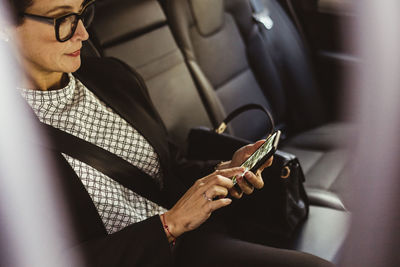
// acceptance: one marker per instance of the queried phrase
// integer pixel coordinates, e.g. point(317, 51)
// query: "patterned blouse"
point(77, 111)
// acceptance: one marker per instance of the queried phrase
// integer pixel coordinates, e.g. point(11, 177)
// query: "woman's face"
point(41, 52)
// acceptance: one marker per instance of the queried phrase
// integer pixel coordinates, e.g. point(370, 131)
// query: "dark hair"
point(17, 7)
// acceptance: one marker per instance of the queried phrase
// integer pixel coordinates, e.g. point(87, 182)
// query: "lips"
point(75, 54)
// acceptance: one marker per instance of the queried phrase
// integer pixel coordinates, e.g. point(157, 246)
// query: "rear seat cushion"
point(137, 33)
point(326, 137)
point(323, 155)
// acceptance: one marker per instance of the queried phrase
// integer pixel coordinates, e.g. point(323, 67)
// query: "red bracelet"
point(166, 228)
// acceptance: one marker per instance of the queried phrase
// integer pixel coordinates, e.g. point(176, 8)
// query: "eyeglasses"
point(65, 26)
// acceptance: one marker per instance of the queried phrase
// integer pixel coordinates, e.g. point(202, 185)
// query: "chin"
point(74, 65)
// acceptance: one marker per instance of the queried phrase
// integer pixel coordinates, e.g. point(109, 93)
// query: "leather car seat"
point(229, 55)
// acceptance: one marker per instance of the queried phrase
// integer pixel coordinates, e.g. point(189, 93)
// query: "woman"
point(104, 109)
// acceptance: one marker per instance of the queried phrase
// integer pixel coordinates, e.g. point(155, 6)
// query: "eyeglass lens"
point(67, 26)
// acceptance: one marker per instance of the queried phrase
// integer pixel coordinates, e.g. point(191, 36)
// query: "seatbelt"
point(297, 23)
point(105, 162)
point(261, 14)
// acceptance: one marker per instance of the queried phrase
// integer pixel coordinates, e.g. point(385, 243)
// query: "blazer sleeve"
point(189, 170)
point(140, 244)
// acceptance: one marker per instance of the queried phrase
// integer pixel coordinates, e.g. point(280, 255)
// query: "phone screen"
point(261, 155)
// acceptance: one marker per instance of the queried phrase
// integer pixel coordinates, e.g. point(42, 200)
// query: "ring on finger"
point(206, 197)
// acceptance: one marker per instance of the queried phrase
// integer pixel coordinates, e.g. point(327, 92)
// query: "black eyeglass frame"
point(57, 21)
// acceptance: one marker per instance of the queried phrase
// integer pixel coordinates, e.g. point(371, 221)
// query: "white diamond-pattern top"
point(77, 111)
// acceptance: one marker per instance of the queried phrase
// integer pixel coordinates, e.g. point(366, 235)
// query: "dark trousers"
point(213, 245)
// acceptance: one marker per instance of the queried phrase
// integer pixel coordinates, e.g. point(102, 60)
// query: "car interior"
point(201, 59)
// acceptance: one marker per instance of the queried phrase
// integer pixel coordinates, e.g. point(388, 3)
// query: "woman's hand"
point(197, 204)
point(250, 180)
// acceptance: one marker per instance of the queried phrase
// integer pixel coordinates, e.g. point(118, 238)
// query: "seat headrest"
point(115, 19)
point(208, 15)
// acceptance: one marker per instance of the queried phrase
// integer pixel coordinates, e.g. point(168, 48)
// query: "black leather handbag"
point(270, 215)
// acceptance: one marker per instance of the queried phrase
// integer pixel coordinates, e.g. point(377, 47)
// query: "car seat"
point(239, 62)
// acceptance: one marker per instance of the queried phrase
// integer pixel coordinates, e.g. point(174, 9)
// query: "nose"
point(81, 33)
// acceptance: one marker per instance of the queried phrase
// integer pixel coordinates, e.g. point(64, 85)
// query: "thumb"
point(252, 148)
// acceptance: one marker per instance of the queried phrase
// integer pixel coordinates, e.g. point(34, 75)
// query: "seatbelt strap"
point(297, 23)
point(105, 162)
point(261, 13)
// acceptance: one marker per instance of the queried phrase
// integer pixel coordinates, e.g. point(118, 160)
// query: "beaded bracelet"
point(165, 225)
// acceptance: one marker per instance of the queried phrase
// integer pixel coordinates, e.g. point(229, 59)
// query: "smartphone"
point(261, 155)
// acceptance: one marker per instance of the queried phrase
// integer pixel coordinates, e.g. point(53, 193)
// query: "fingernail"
point(247, 174)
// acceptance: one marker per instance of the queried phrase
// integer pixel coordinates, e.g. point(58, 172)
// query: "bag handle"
point(221, 128)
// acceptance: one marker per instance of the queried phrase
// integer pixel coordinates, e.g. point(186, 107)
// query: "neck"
point(44, 81)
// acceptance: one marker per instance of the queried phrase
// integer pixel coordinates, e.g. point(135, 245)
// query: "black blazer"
point(143, 243)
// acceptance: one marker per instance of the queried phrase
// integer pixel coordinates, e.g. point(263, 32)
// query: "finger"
point(267, 164)
point(224, 177)
point(255, 146)
point(217, 204)
point(230, 172)
point(219, 177)
point(259, 143)
point(216, 191)
point(246, 187)
point(255, 180)
point(235, 193)
point(250, 149)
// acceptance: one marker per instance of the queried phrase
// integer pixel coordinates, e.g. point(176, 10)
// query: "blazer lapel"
point(127, 96)
point(124, 91)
